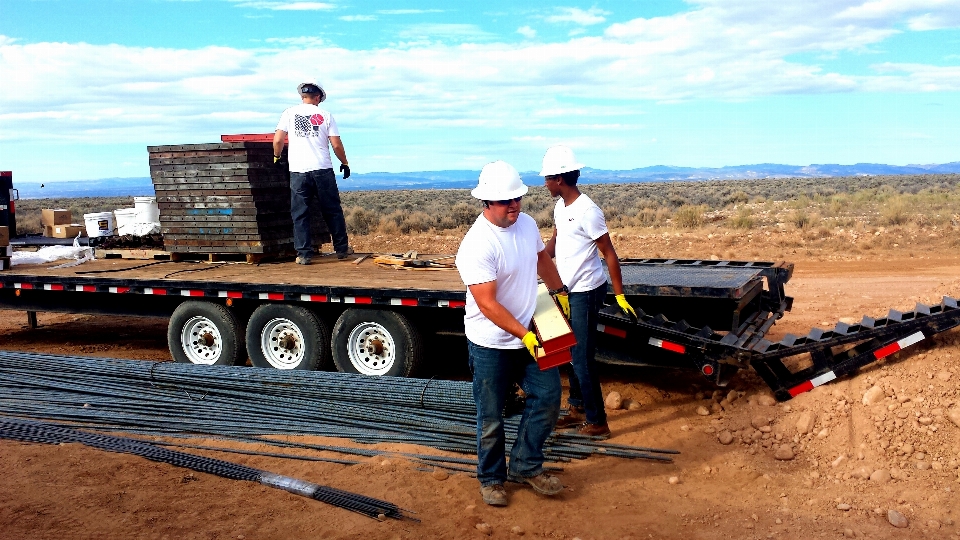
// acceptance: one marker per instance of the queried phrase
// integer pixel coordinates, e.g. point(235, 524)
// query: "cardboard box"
point(552, 328)
point(53, 217)
point(48, 231)
point(68, 231)
point(4, 236)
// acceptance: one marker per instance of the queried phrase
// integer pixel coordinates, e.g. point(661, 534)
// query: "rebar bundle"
point(36, 432)
point(252, 404)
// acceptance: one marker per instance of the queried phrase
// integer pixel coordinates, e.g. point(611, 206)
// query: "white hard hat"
point(308, 84)
point(499, 181)
point(559, 159)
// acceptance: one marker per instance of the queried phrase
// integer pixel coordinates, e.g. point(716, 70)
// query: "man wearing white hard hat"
point(312, 131)
point(580, 236)
point(499, 260)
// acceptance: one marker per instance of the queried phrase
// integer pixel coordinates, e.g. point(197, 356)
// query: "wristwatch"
point(561, 290)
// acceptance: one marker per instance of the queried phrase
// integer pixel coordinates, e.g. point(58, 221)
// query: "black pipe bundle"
point(36, 432)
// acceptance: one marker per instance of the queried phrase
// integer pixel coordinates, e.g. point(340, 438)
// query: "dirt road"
point(851, 466)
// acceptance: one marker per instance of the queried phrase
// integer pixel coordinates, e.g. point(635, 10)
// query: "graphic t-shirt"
point(308, 130)
point(508, 256)
point(578, 259)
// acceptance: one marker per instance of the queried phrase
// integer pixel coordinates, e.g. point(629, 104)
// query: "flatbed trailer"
point(356, 316)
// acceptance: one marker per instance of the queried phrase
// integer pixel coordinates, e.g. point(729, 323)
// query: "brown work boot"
point(574, 418)
point(494, 495)
point(542, 483)
point(599, 431)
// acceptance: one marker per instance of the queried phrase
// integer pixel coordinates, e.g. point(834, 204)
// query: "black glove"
point(279, 162)
point(345, 169)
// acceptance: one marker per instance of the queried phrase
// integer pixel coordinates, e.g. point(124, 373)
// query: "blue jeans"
point(584, 381)
point(494, 371)
point(322, 185)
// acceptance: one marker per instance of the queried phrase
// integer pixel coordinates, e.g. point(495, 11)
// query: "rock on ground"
point(897, 519)
point(954, 415)
point(614, 401)
point(725, 437)
point(873, 396)
point(784, 452)
point(805, 423)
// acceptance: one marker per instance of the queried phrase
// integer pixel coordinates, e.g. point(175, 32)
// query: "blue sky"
point(86, 85)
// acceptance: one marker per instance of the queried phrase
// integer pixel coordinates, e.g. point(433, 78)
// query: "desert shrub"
point(463, 214)
point(894, 212)
point(689, 217)
point(361, 221)
point(743, 220)
point(801, 219)
point(544, 218)
point(417, 222)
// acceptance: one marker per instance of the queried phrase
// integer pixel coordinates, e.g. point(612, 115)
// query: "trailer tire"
point(204, 333)
point(377, 343)
point(282, 336)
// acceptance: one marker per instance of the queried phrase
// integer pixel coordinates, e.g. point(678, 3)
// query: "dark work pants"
point(584, 381)
point(322, 185)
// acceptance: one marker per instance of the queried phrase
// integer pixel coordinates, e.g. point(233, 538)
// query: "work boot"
point(574, 418)
point(597, 431)
point(542, 483)
point(303, 260)
point(345, 254)
point(494, 495)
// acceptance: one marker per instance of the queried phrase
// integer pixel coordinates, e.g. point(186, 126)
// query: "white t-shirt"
point(309, 129)
point(508, 256)
point(578, 259)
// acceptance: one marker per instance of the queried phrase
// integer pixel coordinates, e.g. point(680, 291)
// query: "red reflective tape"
point(886, 351)
point(313, 297)
point(801, 388)
point(119, 290)
point(409, 302)
point(456, 303)
point(24, 285)
point(358, 300)
point(675, 347)
point(158, 292)
point(53, 287)
point(271, 296)
point(612, 331)
point(86, 288)
point(234, 294)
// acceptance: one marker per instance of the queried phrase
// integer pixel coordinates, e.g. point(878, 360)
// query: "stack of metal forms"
point(225, 198)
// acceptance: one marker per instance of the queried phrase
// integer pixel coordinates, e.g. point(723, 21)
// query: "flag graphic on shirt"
point(307, 126)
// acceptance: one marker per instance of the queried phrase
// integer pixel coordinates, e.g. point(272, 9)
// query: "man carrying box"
point(499, 260)
point(579, 236)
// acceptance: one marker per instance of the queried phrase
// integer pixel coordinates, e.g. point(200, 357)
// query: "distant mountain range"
point(118, 187)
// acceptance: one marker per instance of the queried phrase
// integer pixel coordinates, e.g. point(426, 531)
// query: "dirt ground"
point(855, 464)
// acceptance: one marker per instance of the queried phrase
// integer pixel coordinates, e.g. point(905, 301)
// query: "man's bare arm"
point(337, 145)
point(278, 139)
point(486, 296)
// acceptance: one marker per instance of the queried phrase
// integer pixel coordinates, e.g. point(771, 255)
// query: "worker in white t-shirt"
point(579, 238)
point(311, 131)
point(499, 260)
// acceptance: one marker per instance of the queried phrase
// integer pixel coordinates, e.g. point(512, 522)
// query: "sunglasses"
point(508, 201)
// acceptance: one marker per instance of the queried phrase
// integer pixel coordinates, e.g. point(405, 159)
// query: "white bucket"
point(99, 224)
point(126, 219)
point(147, 209)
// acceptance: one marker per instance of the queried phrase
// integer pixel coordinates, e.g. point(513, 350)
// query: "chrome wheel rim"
point(371, 348)
point(201, 341)
point(281, 342)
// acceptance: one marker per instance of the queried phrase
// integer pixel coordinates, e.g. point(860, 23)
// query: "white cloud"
point(930, 21)
point(358, 18)
point(454, 75)
point(286, 6)
point(408, 11)
point(578, 16)
point(527, 32)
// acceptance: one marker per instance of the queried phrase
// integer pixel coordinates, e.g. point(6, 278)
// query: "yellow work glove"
point(564, 303)
point(625, 306)
point(530, 340)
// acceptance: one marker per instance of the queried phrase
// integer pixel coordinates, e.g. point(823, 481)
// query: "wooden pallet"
point(249, 258)
point(141, 254)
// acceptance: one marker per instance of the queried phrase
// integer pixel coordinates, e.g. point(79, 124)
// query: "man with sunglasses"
point(499, 260)
point(579, 238)
point(312, 131)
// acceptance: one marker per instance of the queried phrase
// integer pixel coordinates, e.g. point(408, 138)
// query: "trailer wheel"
point(375, 342)
point(204, 333)
point(287, 337)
